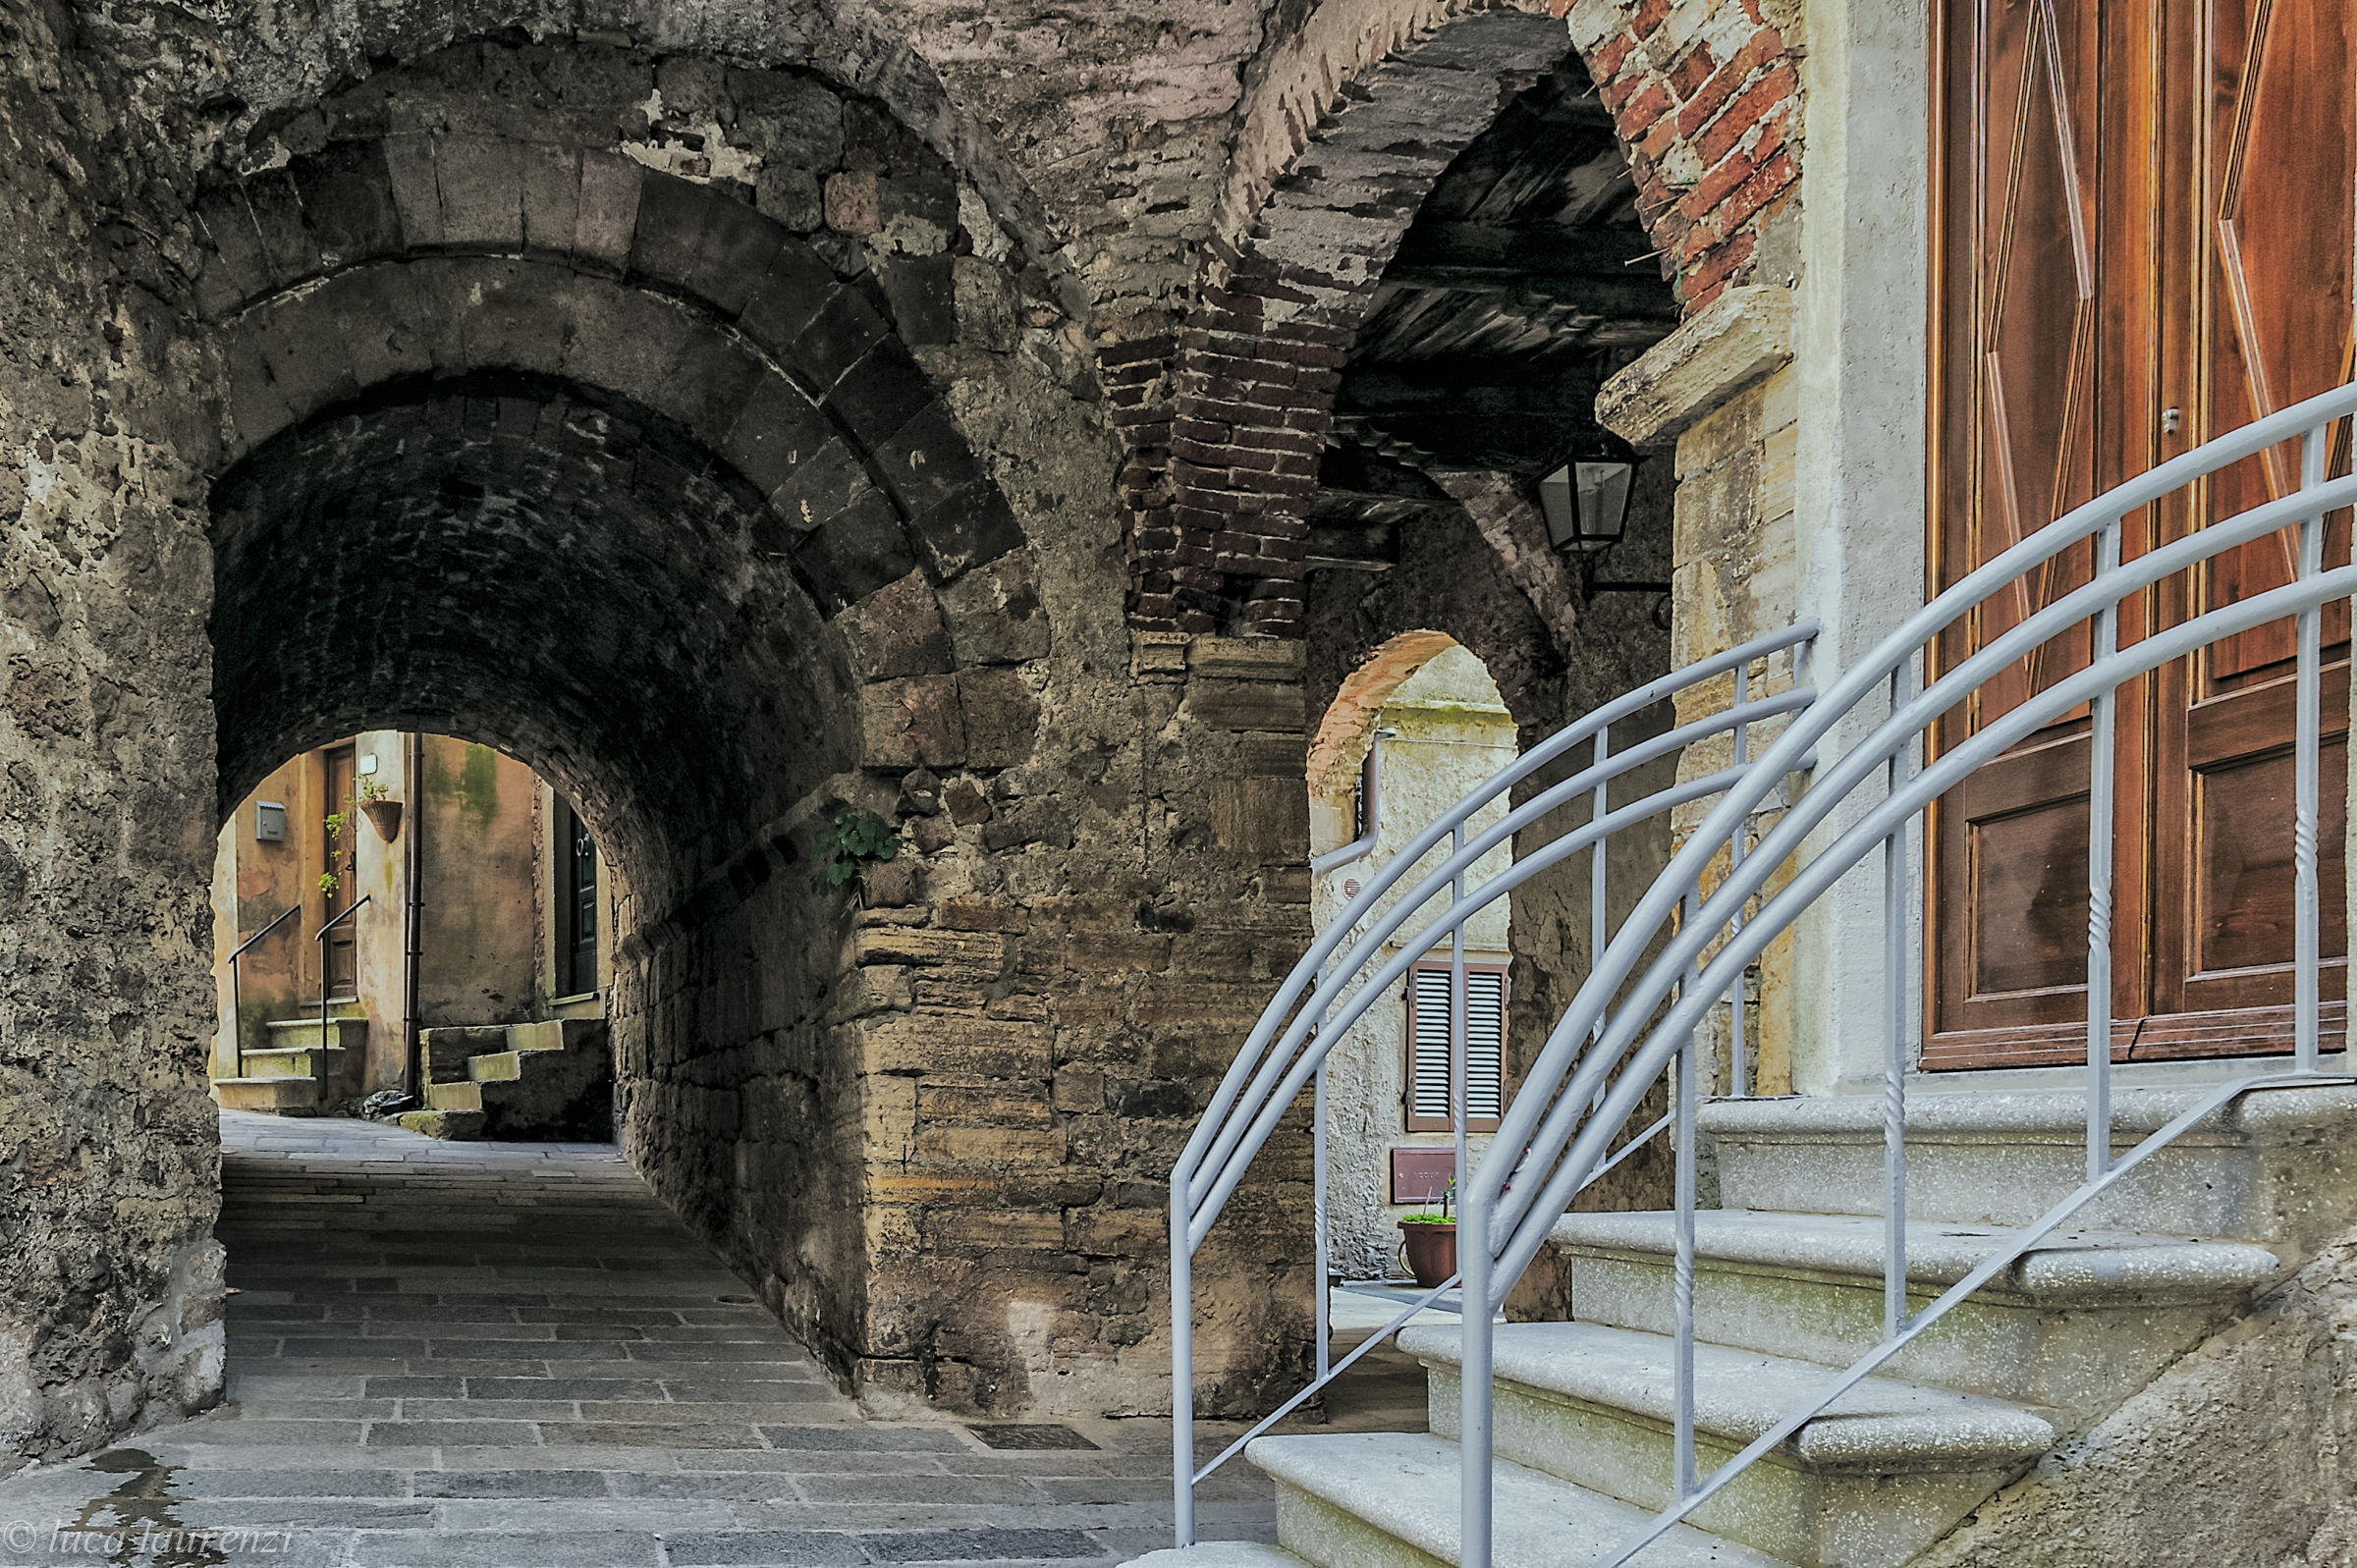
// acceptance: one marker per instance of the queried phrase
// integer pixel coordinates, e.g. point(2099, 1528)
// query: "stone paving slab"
point(454, 1355)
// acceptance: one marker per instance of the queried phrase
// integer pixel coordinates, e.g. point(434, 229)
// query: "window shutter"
point(1428, 1046)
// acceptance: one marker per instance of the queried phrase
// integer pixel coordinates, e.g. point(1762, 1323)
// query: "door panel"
point(2045, 260)
point(2278, 233)
point(2271, 236)
point(339, 952)
point(2147, 238)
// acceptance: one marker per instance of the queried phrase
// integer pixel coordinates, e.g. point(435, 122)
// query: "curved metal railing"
point(1344, 972)
point(1688, 942)
point(1633, 1019)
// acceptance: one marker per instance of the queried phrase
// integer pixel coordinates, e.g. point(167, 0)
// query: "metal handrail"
point(320, 937)
point(237, 1001)
point(1633, 1018)
point(1327, 991)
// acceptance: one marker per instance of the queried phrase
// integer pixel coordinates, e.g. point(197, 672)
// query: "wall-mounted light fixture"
point(1586, 503)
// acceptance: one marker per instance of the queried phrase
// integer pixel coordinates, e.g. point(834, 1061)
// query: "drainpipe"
point(413, 923)
point(1370, 812)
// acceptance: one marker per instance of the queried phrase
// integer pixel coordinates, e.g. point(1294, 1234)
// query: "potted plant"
point(1428, 1241)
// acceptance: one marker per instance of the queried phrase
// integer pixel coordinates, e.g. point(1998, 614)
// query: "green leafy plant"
point(1436, 1217)
point(857, 839)
point(359, 794)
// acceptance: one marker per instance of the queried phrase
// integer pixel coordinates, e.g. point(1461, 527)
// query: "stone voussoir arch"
point(415, 256)
point(1354, 118)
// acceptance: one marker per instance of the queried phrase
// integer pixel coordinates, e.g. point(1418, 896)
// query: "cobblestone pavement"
point(510, 1355)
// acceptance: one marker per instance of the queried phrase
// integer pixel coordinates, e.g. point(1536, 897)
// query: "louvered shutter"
point(1428, 1046)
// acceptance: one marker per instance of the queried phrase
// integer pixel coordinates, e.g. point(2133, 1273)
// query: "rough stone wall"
point(2241, 1453)
point(110, 1287)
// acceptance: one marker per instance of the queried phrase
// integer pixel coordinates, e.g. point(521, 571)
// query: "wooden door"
point(577, 851)
point(339, 828)
point(2268, 165)
point(2091, 201)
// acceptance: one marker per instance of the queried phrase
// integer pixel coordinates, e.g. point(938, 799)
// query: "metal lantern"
point(1586, 503)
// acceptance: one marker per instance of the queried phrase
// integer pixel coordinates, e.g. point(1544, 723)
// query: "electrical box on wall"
point(269, 822)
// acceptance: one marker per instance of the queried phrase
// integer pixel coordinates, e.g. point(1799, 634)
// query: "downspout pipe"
point(413, 924)
point(1370, 812)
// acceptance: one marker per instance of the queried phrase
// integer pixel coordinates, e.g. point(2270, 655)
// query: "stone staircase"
point(301, 1072)
point(1788, 1287)
point(552, 1080)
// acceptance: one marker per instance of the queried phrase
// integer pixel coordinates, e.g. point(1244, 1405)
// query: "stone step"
point(2265, 1169)
point(1382, 1499)
point(294, 1061)
point(444, 1051)
point(1884, 1473)
point(282, 1096)
point(2077, 1324)
point(454, 1096)
point(296, 1034)
point(498, 1066)
point(457, 1126)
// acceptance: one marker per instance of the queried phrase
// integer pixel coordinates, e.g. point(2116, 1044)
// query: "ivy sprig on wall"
point(857, 839)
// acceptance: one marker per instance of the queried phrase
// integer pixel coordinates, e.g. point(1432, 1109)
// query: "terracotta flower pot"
point(384, 816)
point(1431, 1250)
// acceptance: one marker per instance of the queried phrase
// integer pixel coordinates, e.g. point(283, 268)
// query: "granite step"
point(1383, 1500)
point(2079, 1323)
point(1879, 1476)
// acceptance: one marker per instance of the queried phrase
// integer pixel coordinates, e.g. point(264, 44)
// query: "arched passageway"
point(641, 481)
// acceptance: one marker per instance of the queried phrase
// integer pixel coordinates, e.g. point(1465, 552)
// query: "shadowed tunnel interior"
point(570, 577)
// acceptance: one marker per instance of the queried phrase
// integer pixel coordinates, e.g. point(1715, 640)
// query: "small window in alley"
point(1428, 1046)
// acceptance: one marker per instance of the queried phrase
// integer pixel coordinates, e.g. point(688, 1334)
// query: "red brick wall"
point(1226, 416)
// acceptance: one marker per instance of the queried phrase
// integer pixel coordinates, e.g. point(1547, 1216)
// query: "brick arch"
point(1354, 118)
point(1348, 729)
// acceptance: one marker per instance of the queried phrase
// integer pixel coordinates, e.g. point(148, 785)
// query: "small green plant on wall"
point(359, 795)
point(857, 839)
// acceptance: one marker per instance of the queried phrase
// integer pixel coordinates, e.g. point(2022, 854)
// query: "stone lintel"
point(1732, 344)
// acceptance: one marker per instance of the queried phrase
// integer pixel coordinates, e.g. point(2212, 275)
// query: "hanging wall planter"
point(384, 816)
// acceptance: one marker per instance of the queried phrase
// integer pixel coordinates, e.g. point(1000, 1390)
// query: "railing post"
point(1473, 1379)
point(1895, 1040)
point(1183, 1366)
point(2307, 952)
point(1458, 1064)
point(1682, 1368)
point(236, 1018)
point(1317, 1140)
point(1737, 1041)
point(2101, 760)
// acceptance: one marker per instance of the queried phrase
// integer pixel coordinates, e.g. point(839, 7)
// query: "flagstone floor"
point(455, 1355)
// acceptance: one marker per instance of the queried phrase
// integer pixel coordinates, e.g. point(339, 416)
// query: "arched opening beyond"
point(566, 576)
point(1428, 725)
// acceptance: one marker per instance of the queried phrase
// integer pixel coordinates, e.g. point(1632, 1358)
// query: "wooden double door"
point(2146, 229)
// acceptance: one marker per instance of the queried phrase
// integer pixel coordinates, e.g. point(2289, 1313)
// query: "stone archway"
point(634, 473)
